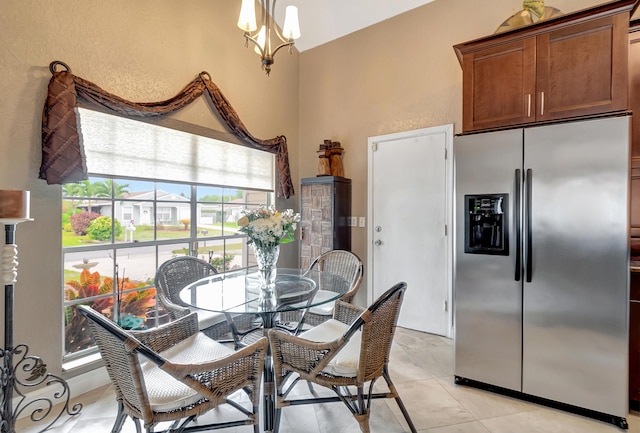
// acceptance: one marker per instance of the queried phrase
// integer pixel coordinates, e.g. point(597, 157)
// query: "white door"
point(410, 202)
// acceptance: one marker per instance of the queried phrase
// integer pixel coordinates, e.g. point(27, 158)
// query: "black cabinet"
point(325, 209)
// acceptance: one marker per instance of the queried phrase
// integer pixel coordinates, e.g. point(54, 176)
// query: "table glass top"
point(238, 292)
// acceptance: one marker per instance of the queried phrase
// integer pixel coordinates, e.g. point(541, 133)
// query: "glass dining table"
point(238, 292)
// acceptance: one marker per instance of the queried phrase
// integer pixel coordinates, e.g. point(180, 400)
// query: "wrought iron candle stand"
point(28, 371)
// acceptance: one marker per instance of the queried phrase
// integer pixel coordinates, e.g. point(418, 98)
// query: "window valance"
point(62, 152)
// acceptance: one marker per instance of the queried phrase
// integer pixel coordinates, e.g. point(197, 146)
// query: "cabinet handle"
point(528, 104)
point(542, 103)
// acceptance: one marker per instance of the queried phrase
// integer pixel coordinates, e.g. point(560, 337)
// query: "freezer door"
point(488, 299)
point(575, 332)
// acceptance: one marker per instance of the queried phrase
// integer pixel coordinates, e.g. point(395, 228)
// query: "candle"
point(14, 204)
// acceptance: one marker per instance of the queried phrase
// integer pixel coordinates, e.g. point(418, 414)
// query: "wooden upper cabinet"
point(571, 66)
point(634, 104)
point(582, 69)
point(499, 85)
point(634, 91)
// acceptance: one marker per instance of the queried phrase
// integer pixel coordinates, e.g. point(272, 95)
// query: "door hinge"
point(446, 153)
point(446, 305)
point(374, 146)
point(446, 230)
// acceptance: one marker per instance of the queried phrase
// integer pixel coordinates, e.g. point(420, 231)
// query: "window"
point(127, 213)
point(165, 215)
point(117, 229)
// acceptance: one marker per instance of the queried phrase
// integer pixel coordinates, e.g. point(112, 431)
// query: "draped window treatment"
point(62, 153)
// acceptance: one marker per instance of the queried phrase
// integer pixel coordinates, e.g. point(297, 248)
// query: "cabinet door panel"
point(487, 104)
point(634, 104)
point(634, 199)
point(634, 90)
point(634, 338)
point(575, 69)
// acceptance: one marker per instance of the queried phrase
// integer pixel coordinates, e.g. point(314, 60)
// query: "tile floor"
point(422, 369)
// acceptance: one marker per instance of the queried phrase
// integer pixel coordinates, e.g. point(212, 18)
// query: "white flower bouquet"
point(266, 227)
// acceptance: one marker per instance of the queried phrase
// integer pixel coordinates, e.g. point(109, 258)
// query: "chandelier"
point(262, 39)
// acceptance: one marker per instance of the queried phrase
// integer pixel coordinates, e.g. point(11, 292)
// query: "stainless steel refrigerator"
point(542, 262)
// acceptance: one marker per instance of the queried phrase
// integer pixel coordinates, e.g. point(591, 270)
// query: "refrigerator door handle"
point(518, 217)
point(529, 258)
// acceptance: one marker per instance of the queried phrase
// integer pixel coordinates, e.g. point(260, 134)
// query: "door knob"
point(377, 242)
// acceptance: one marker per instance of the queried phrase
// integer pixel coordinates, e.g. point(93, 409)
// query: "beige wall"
point(143, 50)
point(398, 75)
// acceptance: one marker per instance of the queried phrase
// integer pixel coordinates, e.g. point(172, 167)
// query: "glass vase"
point(267, 259)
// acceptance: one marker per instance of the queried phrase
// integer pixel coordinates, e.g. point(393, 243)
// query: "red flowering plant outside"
point(133, 306)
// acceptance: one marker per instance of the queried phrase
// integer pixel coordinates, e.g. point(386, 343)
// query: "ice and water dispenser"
point(486, 224)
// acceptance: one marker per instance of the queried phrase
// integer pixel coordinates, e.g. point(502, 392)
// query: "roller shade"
point(123, 147)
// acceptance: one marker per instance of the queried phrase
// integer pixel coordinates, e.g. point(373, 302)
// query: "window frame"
point(193, 240)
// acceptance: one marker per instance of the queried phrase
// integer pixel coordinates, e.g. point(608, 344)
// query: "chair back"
point(345, 264)
point(119, 350)
point(378, 325)
point(174, 274)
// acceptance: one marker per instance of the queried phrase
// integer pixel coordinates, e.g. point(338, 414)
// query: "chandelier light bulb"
point(291, 28)
point(247, 19)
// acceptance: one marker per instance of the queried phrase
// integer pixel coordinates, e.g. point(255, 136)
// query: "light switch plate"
point(361, 222)
point(353, 221)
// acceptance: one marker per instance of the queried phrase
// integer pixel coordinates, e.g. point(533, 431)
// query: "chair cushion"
point(345, 363)
point(167, 393)
point(325, 309)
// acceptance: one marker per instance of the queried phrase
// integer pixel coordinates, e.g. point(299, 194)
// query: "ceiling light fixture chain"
point(262, 39)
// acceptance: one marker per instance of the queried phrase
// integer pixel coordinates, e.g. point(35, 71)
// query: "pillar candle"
point(14, 204)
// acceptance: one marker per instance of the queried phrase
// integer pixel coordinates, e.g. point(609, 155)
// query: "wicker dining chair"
point(173, 373)
point(339, 262)
point(175, 274)
point(349, 350)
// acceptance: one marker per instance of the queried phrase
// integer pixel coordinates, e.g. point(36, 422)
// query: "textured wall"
point(399, 75)
point(142, 50)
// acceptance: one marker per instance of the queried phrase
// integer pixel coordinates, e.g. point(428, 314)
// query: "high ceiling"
point(322, 21)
